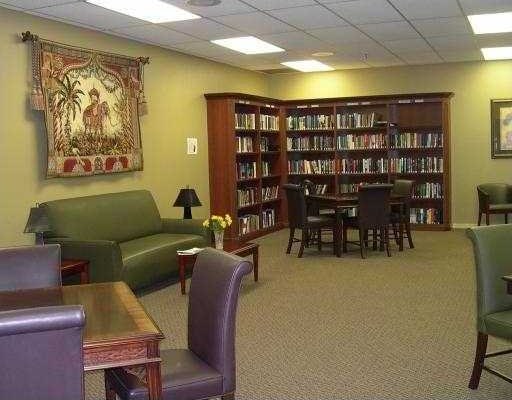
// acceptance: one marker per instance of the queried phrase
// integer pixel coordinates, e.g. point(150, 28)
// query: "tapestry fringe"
point(36, 95)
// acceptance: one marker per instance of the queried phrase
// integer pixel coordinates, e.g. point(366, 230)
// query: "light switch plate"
point(191, 145)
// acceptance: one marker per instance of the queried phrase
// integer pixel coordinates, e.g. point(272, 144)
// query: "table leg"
point(182, 263)
point(401, 228)
point(255, 257)
point(154, 374)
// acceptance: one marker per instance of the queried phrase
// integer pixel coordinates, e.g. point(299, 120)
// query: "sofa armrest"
point(191, 226)
point(104, 256)
point(483, 200)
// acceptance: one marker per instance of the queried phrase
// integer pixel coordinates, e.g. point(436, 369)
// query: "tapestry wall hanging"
point(91, 102)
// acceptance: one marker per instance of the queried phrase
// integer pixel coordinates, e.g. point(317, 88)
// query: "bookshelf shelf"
point(362, 130)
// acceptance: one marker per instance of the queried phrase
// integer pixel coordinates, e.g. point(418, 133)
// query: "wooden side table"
point(241, 249)
point(71, 267)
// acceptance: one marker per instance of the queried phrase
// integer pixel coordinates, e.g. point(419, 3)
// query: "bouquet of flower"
point(217, 223)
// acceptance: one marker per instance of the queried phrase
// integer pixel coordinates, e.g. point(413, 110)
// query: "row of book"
point(311, 166)
point(428, 190)
point(245, 121)
point(246, 170)
point(356, 120)
point(266, 169)
point(269, 192)
point(310, 143)
point(247, 196)
point(375, 141)
point(353, 187)
point(426, 216)
point(306, 122)
point(415, 165)
point(416, 140)
point(264, 144)
point(248, 223)
point(364, 166)
point(268, 218)
point(244, 144)
point(269, 122)
point(317, 189)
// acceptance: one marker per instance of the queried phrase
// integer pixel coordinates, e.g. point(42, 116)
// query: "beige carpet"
point(322, 327)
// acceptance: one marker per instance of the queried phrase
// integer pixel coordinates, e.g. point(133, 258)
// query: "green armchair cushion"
point(499, 324)
point(500, 207)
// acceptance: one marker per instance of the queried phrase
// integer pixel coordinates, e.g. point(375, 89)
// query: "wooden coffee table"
point(241, 249)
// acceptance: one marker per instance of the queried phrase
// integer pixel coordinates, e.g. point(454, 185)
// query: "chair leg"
point(395, 234)
point(386, 240)
point(409, 236)
point(366, 238)
point(479, 218)
point(344, 238)
point(303, 241)
point(481, 348)
point(110, 394)
point(319, 238)
point(290, 240)
point(487, 218)
point(361, 242)
point(506, 218)
point(228, 396)
point(374, 241)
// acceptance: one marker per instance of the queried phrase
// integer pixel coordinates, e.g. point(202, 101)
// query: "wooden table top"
point(112, 311)
point(348, 200)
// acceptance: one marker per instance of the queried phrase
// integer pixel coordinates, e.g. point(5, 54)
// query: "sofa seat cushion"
point(500, 207)
point(499, 324)
point(151, 259)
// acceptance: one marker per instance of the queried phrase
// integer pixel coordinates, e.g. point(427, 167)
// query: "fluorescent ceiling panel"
point(248, 45)
point(155, 11)
point(307, 66)
point(497, 53)
point(491, 23)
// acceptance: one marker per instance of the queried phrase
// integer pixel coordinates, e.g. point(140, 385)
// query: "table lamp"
point(187, 198)
point(38, 223)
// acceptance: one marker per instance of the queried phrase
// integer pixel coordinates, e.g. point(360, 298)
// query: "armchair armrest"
point(104, 256)
point(483, 200)
point(191, 226)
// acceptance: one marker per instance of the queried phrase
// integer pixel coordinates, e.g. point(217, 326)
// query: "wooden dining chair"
point(373, 215)
point(400, 213)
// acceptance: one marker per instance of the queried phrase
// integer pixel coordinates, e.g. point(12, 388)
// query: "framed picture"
point(501, 128)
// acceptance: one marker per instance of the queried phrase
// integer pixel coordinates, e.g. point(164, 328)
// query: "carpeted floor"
point(322, 327)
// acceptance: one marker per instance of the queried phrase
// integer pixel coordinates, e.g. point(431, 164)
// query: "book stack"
point(416, 165)
point(311, 166)
point(426, 216)
point(309, 122)
point(310, 143)
point(246, 197)
point(269, 122)
point(245, 121)
point(269, 192)
point(264, 144)
point(428, 190)
point(248, 223)
point(268, 218)
point(367, 141)
point(416, 140)
point(244, 144)
point(265, 168)
point(320, 189)
point(246, 170)
point(364, 166)
point(356, 120)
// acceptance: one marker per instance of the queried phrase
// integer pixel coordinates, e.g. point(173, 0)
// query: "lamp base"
point(187, 213)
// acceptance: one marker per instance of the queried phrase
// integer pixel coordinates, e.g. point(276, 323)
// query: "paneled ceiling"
point(360, 33)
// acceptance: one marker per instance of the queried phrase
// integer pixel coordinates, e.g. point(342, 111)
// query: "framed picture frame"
point(501, 128)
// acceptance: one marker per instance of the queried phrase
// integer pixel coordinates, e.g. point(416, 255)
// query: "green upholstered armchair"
point(122, 236)
point(493, 259)
point(494, 198)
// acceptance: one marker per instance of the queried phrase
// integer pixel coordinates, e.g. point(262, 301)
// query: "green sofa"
point(123, 236)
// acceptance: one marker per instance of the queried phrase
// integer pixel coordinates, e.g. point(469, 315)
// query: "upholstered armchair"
point(30, 267)
point(493, 255)
point(41, 353)
point(207, 368)
point(494, 198)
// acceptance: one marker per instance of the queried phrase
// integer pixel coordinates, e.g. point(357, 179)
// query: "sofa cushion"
point(499, 324)
point(500, 207)
point(152, 258)
point(115, 216)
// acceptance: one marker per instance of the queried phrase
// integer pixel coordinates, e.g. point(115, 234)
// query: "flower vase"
point(219, 239)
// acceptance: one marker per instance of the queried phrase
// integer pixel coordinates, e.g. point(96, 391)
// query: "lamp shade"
point(187, 198)
point(38, 221)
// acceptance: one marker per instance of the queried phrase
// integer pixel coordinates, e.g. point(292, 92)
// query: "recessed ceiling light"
point(155, 11)
point(308, 66)
point(491, 23)
point(497, 53)
point(248, 45)
point(203, 3)
point(323, 54)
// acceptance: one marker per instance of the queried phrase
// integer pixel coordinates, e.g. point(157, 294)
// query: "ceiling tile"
point(390, 31)
point(363, 50)
point(493, 40)
point(384, 61)
point(407, 46)
point(296, 41)
point(428, 57)
point(204, 29)
point(254, 23)
point(485, 6)
point(366, 11)
point(418, 9)
point(91, 15)
point(265, 67)
point(310, 17)
point(226, 7)
point(33, 4)
point(341, 35)
point(455, 42)
point(443, 26)
point(204, 49)
point(241, 60)
point(458, 56)
point(274, 5)
point(155, 34)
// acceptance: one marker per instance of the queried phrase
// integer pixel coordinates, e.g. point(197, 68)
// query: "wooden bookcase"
point(338, 144)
